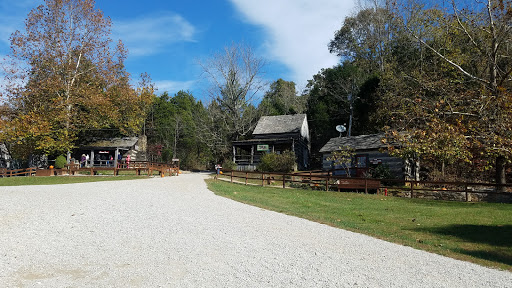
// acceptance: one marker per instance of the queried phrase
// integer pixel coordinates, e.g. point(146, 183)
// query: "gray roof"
point(362, 142)
point(126, 142)
point(279, 124)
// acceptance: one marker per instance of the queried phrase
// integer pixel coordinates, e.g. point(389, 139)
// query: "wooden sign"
point(262, 148)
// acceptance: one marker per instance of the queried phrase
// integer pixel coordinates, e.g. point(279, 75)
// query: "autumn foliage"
point(65, 76)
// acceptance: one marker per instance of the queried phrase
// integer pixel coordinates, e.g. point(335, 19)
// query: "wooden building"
point(370, 152)
point(105, 152)
point(275, 134)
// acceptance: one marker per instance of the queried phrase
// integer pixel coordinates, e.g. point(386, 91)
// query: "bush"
point(229, 165)
point(60, 162)
point(381, 171)
point(273, 162)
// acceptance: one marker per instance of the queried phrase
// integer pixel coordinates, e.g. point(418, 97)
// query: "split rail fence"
point(71, 169)
point(4, 172)
point(458, 191)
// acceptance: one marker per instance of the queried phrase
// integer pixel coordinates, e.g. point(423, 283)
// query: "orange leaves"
point(68, 78)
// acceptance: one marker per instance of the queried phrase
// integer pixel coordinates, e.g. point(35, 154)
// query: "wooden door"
point(361, 165)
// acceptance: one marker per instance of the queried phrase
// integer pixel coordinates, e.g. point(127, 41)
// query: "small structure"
point(105, 152)
point(275, 134)
point(369, 152)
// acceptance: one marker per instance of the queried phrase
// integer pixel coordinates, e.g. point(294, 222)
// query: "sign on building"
point(262, 148)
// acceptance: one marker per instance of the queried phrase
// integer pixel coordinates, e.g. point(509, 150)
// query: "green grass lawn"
point(53, 180)
point(475, 232)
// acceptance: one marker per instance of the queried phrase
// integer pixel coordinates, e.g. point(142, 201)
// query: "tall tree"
point(174, 130)
point(464, 92)
point(282, 99)
point(235, 78)
point(365, 38)
point(64, 77)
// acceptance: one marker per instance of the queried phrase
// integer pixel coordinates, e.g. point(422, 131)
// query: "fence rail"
point(137, 166)
point(71, 169)
point(4, 172)
point(323, 180)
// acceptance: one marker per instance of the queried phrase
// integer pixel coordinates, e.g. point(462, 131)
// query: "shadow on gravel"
point(499, 236)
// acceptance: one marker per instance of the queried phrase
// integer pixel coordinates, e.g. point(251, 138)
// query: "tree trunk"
point(500, 173)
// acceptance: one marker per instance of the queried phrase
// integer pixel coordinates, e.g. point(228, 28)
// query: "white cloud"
point(151, 34)
point(174, 86)
point(299, 31)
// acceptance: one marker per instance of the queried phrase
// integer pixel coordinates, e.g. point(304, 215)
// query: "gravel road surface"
point(174, 232)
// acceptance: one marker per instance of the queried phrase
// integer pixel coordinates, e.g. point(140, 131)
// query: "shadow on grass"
point(498, 236)
point(504, 257)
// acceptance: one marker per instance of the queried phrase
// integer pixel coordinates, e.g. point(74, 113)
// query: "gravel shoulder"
point(174, 232)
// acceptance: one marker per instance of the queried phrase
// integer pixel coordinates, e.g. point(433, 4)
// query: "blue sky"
point(168, 38)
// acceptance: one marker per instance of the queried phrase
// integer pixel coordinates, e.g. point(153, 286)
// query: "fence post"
point(412, 188)
point(231, 176)
point(466, 190)
point(284, 181)
point(246, 177)
point(365, 185)
point(262, 180)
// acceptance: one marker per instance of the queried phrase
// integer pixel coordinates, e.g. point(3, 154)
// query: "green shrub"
point(60, 162)
point(229, 165)
point(381, 171)
point(272, 162)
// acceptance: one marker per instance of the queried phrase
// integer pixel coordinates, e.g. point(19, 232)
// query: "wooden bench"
point(72, 168)
point(358, 184)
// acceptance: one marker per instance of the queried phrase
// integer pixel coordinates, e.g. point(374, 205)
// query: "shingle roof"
point(126, 142)
point(279, 124)
point(362, 142)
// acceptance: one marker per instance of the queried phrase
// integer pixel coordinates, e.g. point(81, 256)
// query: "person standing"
point(119, 159)
point(82, 161)
point(217, 167)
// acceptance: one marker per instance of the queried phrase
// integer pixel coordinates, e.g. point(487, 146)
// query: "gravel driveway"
point(173, 232)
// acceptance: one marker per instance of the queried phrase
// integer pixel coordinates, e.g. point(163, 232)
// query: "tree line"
point(435, 77)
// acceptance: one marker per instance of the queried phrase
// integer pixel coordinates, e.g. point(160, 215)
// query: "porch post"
point(92, 158)
point(252, 154)
point(115, 158)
